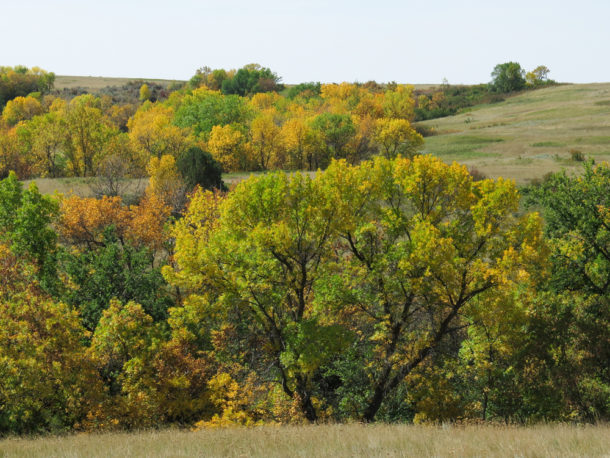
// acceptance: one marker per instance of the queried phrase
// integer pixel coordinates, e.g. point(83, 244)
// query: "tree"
point(48, 382)
point(228, 146)
point(204, 109)
point(508, 77)
point(145, 93)
point(422, 241)
point(266, 144)
point(44, 137)
point(251, 79)
point(87, 134)
point(21, 109)
point(396, 136)
point(577, 212)
point(335, 131)
point(20, 81)
point(115, 252)
point(199, 168)
point(399, 103)
point(25, 219)
point(153, 134)
point(538, 76)
point(166, 183)
point(360, 273)
point(265, 254)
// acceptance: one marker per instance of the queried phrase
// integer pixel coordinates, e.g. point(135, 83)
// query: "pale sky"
point(309, 40)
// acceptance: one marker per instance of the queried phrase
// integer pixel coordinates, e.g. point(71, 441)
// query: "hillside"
point(528, 135)
point(94, 83)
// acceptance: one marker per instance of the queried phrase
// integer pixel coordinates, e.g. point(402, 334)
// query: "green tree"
point(113, 270)
point(335, 132)
point(204, 109)
point(25, 223)
point(577, 212)
point(508, 77)
point(199, 168)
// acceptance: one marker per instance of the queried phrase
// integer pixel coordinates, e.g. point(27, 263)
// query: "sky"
point(419, 42)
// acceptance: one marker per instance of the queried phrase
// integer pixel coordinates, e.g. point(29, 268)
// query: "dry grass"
point(528, 135)
point(333, 440)
point(80, 186)
point(93, 83)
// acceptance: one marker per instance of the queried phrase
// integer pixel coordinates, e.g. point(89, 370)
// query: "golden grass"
point(326, 441)
point(528, 135)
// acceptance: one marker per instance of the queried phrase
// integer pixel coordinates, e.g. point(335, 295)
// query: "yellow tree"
point(266, 141)
point(396, 136)
point(11, 155)
point(166, 183)
point(152, 133)
point(44, 137)
point(21, 109)
point(87, 134)
point(296, 137)
point(399, 103)
point(228, 146)
point(48, 381)
point(424, 246)
point(145, 93)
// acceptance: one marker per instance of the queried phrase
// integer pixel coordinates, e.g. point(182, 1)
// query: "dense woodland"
point(386, 286)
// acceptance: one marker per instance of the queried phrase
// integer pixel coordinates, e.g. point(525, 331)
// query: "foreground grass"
point(331, 440)
point(529, 135)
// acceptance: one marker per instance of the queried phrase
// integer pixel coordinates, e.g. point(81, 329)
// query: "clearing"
point(528, 135)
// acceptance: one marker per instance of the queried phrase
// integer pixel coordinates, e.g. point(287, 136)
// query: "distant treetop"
point(20, 81)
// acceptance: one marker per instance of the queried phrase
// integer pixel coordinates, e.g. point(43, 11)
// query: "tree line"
point(236, 117)
point(390, 290)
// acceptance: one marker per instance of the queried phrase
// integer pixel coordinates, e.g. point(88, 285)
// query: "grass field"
point(94, 83)
point(528, 135)
point(327, 441)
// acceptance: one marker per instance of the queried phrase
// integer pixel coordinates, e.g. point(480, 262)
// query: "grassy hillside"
point(528, 135)
point(94, 83)
point(330, 440)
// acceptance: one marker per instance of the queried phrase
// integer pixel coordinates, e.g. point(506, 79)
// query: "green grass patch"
point(594, 140)
point(474, 140)
point(548, 144)
point(603, 103)
point(460, 147)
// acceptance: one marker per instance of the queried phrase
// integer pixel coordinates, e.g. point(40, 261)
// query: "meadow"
point(328, 440)
point(529, 135)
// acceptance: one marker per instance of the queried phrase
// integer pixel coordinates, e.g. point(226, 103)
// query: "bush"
point(577, 155)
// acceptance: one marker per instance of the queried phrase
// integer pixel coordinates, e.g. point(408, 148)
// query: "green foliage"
point(578, 221)
point(251, 79)
point(25, 218)
point(507, 77)
point(199, 168)
point(305, 90)
point(451, 99)
point(336, 130)
point(113, 270)
point(204, 109)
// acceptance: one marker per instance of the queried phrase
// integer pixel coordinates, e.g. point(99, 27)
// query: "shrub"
point(577, 155)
